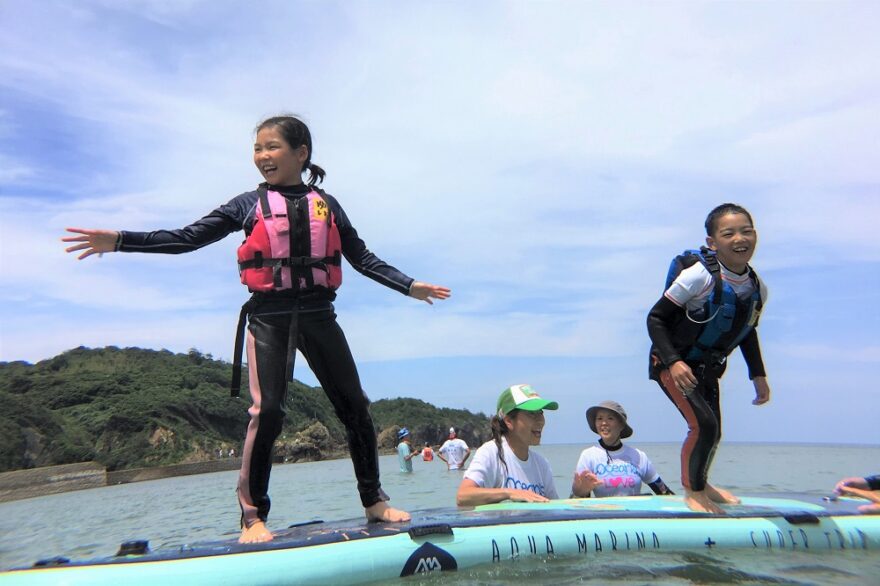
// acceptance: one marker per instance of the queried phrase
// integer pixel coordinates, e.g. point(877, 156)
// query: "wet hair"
point(296, 134)
point(723, 210)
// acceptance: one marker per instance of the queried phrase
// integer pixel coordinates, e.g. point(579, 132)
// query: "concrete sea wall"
point(34, 482)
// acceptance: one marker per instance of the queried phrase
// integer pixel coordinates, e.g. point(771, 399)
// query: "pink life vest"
point(294, 244)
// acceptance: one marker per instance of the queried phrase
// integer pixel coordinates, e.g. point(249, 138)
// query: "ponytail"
point(499, 430)
point(316, 173)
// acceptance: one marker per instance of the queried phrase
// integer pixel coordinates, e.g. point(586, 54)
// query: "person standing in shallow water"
point(711, 308)
point(291, 307)
point(454, 451)
point(505, 468)
point(612, 469)
point(405, 453)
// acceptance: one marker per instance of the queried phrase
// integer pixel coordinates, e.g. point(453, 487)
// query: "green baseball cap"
point(522, 397)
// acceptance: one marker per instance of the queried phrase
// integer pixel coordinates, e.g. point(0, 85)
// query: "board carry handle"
point(436, 529)
point(136, 547)
point(802, 519)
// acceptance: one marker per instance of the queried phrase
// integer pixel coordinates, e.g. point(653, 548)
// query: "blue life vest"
point(712, 332)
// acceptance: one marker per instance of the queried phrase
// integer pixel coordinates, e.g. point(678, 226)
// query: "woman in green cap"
point(504, 468)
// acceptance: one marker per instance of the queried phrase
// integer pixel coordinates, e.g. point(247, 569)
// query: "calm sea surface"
point(174, 511)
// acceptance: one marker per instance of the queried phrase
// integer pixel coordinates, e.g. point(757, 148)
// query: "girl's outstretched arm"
point(426, 291)
point(92, 241)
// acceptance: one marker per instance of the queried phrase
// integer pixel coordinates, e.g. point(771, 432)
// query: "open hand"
point(584, 483)
point(91, 241)
point(426, 291)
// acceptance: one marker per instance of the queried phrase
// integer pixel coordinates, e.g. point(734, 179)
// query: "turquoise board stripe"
point(385, 552)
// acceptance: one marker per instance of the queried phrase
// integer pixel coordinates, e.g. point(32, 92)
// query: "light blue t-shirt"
point(403, 450)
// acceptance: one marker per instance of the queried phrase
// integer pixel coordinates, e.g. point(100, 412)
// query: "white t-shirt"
point(454, 450)
point(693, 286)
point(623, 476)
point(534, 474)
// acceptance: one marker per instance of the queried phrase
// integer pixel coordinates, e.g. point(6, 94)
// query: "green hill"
point(131, 408)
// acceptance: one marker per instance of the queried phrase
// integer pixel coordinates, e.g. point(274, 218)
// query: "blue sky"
point(543, 159)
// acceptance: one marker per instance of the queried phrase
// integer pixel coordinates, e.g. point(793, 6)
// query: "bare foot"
point(382, 513)
point(699, 501)
point(873, 509)
point(256, 533)
point(719, 495)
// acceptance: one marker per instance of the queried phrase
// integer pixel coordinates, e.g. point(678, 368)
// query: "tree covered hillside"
point(129, 408)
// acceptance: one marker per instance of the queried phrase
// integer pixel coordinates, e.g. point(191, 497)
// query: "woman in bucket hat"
point(612, 469)
point(504, 468)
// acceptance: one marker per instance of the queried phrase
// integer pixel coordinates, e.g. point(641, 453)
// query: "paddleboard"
point(354, 552)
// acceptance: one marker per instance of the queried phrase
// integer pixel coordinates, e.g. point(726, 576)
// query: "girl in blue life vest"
point(290, 262)
point(709, 309)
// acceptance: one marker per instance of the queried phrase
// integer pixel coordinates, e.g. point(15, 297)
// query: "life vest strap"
point(238, 350)
point(235, 387)
point(259, 262)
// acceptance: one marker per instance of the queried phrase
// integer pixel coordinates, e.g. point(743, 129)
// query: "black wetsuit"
point(701, 407)
point(320, 339)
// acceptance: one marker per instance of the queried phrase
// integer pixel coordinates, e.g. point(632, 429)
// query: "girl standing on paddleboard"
point(295, 236)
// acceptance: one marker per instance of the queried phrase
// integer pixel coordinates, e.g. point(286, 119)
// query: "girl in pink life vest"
point(290, 263)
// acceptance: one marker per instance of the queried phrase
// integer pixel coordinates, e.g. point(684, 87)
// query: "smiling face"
point(525, 430)
point(278, 163)
point(608, 426)
point(734, 240)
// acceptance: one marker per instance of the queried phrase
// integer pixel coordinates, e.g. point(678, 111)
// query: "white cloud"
point(546, 159)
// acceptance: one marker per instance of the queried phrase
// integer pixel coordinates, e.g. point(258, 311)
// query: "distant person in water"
point(505, 468)
point(405, 454)
point(427, 453)
point(867, 488)
point(612, 469)
point(710, 307)
point(454, 451)
point(290, 261)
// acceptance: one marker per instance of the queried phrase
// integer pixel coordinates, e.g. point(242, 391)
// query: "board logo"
point(428, 558)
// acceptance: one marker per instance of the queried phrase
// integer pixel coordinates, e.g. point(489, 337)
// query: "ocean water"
point(187, 509)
